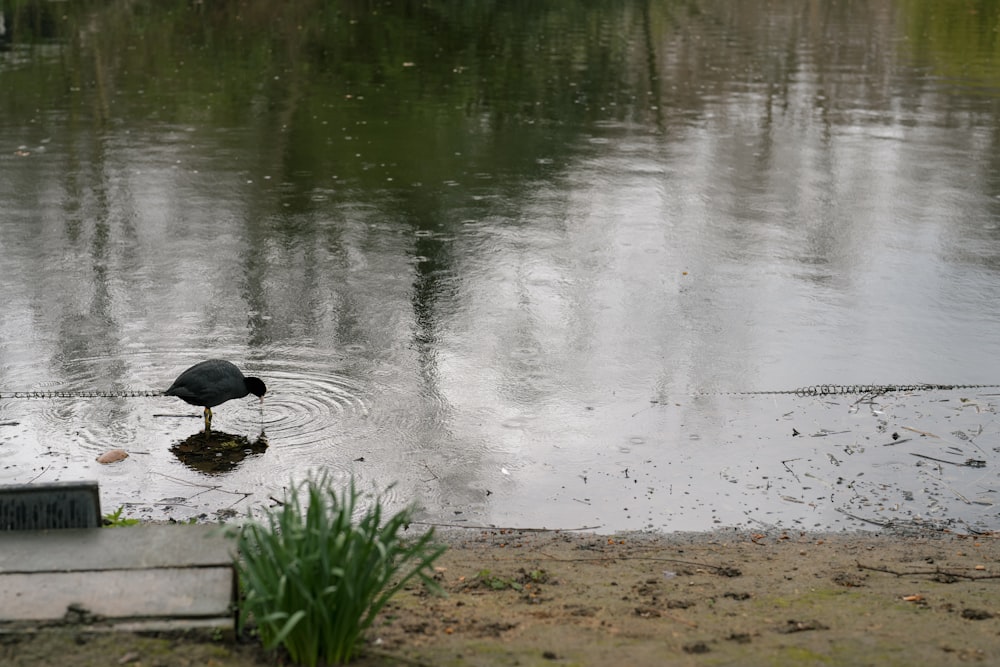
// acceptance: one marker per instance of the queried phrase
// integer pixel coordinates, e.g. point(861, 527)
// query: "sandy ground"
point(516, 598)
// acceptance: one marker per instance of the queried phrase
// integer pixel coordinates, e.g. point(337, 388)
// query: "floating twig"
point(205, 487)
point(434, 524)
point(40, 474)
point(786, 462)
point(882, 524)
point(919, 432)
point(967, 463)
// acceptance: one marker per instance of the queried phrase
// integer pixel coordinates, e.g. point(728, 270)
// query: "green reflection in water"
point(385, 95)
point(959, 40)
point(393, 104)
point(373, 94)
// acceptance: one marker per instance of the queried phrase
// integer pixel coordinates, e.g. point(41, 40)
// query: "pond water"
point(506, 260)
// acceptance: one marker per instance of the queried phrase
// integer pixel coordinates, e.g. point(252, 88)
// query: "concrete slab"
point(132, 547)
point(107, 578)
point(117, 594)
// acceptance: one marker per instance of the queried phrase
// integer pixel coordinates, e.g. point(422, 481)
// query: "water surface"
point(510, 258)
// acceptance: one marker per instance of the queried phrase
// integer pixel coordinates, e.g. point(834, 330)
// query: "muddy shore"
point(723, 598)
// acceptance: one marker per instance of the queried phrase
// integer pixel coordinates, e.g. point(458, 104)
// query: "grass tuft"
point(314, 578)
point(116, 520)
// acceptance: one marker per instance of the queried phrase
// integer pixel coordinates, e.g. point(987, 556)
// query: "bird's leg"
point(208, 419)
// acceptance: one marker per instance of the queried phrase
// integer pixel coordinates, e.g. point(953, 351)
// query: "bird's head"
point(256, 386)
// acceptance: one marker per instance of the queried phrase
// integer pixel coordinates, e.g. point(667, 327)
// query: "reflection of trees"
point(498, 62)
point(388, 102)
point(427, 66)
point(959, 40)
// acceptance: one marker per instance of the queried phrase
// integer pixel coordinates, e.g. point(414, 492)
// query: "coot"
point(213, 382)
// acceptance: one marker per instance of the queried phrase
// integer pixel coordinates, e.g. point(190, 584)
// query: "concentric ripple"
point(306, 407)
point(381, 420)
point(65, 419)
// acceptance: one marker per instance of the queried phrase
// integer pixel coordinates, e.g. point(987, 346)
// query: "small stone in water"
point(112, 456)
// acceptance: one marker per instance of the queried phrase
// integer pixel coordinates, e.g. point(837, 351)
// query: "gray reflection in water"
point(495, 253)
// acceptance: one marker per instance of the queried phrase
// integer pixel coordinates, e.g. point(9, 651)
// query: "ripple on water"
point(310, 411)
point(86, 426)
point(314, 417)
point(406, 416)
point(304, 407)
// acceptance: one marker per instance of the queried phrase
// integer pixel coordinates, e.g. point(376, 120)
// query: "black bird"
point(213, 382)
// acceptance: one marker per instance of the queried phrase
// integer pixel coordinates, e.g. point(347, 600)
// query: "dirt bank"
point(709, 599)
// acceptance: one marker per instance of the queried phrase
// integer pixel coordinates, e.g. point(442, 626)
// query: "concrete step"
point(134, 578)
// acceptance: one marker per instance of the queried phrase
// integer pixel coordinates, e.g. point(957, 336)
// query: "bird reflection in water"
point(216, 452)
